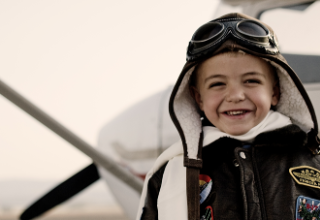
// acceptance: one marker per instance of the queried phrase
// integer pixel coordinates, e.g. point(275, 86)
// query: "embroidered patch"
point(305, 175)
point(205, 184)
point(307, 208)
point(208, 214)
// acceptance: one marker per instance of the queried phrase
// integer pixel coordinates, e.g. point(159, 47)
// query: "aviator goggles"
point(248, 33)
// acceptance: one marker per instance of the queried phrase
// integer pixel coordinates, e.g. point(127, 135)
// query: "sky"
point(84, 62)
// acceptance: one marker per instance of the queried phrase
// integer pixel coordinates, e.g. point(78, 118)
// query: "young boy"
point(248, 133)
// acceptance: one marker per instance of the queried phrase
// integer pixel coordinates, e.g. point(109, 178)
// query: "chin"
point(236, 132)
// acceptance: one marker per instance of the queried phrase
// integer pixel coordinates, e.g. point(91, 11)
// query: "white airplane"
point(125, 153)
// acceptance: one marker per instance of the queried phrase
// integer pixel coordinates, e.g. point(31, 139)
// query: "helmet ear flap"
point(193, 88)
point(275, 95)
point(275, 85)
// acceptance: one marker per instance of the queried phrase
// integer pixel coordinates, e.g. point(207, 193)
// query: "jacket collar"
point(290, 135)
point(287, 136)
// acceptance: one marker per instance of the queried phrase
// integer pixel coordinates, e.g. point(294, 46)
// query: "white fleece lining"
point(272, 121)
point(188, 116)
point(291, 104)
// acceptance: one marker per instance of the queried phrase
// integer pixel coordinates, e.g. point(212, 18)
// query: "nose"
point(235, 94)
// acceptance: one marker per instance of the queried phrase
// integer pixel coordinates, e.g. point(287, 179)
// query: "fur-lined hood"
point(294, 101)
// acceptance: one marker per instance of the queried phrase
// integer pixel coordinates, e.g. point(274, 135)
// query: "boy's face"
point(235, 91)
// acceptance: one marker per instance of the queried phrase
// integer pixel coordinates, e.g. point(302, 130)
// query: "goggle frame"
point(230, 29)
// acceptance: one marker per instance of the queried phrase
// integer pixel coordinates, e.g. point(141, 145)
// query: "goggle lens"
point(207, 31)
point(252, 28)
point(248, 33)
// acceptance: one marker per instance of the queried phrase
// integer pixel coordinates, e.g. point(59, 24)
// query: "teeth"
point(235, 112)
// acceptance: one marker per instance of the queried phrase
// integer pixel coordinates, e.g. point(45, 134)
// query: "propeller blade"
point(62, 192)
point(100, 159)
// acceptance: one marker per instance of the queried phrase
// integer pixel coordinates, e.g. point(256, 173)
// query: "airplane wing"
point(108, 164)
point(255, 8)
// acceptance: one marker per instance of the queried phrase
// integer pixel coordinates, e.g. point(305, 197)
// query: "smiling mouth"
point(232, 113)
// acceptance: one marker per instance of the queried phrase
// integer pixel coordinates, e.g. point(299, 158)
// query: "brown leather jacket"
point(253, 183)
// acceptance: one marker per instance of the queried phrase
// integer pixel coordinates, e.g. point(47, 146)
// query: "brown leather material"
point(192, 163)
point(193, 193)
point(193, 190)
point(261, 187)
point(150, 210)
point(195, 163)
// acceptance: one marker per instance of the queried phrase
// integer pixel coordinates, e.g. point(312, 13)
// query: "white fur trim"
point(172, 200)
point(272, 121)
point(188, 116)
point(291, 102)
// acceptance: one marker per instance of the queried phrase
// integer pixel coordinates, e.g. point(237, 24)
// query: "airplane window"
point(298, 33)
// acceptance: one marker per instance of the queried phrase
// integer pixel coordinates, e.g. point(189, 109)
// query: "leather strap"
point(193, 189)
point(193, 193)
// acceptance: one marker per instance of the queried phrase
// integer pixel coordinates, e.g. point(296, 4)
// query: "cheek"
point(211, 103)
point(262, 100)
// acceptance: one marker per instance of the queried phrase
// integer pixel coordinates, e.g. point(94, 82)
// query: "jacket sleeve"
point(150, 209)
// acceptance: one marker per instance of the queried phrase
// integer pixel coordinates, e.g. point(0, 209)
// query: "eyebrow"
point(245, 74)
point(255, 74)
point(214, 76)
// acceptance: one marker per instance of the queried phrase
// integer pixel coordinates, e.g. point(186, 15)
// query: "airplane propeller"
point(62, 192)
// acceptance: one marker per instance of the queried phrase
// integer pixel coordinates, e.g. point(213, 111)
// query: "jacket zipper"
point(259, 187)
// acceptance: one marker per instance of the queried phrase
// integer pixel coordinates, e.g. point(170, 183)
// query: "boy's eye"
point(252, 81)
point(216, 84)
